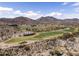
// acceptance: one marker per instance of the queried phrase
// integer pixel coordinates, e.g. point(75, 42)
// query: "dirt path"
point(4, 45)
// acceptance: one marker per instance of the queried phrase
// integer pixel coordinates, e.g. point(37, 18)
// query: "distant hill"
point(17, 20)
point(47, 19)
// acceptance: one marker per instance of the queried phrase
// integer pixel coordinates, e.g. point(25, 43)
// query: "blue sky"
point(35, 10)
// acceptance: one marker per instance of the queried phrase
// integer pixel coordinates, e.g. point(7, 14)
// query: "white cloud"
point(5, 9)
point(70, 16)
point(17, 12)
point(10, 12)
point(65, 3)
point(54, 14)
point(32, 14)
point(75, 4)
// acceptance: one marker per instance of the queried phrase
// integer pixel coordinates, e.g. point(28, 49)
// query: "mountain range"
point(26, 20)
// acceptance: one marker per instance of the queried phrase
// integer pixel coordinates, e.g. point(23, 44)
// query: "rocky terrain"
point(66, 45)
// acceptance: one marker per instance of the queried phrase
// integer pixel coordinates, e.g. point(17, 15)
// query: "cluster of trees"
point(41, 27)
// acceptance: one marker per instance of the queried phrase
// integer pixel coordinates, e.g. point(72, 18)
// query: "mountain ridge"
point(26, 20)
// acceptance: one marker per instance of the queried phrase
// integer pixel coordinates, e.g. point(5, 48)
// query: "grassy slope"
point(46, 34)
point(38, 36)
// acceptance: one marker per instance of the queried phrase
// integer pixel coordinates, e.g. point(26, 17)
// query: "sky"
point(36, 10)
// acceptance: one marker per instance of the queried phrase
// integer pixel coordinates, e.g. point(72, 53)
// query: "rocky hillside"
point(68, 44)
point(17, 20)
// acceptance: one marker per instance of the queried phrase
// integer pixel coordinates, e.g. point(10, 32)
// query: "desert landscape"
point(44, 36)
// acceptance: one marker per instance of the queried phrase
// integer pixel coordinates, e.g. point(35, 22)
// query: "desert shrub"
point(55, 52)
point(58, 51)
point(67, 35)
point(52, 53)
point(23, 42)
point(75, 33)
point(21, 46)
point(25, 47)
point(71, 39)
point(4, 52)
